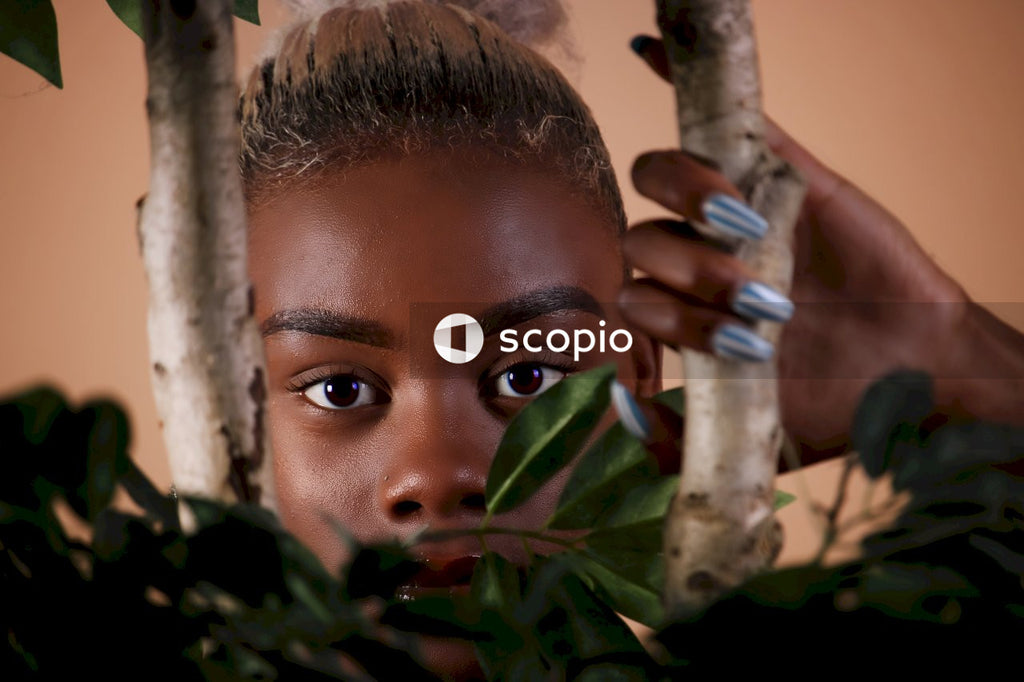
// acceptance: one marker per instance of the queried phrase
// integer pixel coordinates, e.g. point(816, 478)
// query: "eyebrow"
point(536, 303)
point(515, 311)
point(329, 323)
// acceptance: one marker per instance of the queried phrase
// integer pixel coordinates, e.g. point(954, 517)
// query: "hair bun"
point(531, 22)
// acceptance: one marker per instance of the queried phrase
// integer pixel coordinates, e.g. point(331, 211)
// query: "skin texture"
point(461, 231)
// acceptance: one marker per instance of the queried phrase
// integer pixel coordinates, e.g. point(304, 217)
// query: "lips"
point(440, 576)
point(445, 572)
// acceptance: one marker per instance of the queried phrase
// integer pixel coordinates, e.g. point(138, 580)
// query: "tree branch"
point(207, 355)
point(721, 527)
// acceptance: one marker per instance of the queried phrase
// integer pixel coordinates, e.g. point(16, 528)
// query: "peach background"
point(918, 101)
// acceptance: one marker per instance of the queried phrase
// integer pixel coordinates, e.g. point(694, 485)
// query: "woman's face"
point(370, 425)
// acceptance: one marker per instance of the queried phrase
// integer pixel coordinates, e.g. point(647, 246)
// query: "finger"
point(652, 51)
point(658, 426)
point(675, 322)
point(838, 204)
point(682, 184)
point(822, 181)
point(700, 273)
point(680, 229)
point(686, 265)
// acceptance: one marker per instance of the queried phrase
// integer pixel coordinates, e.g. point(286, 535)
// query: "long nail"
point(762, 302)
point(733, 218)
point(639, 43)
point(739, 343)
point(633, 420)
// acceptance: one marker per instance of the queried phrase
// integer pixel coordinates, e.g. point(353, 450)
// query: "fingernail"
point(760, 301)
point(733, 218)
point(633, 420)
point(739, 343)
point(639, 43)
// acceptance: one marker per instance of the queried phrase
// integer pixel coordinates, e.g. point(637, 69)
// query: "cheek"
point(320, 477)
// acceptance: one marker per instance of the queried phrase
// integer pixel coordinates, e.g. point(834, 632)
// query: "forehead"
point(435, 228)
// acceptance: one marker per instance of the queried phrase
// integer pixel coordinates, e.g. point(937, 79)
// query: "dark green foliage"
point(248, 10)
point(143, 599)
point(941, 588)
point(540, 442)
point(28, 34)
point(28, 30)
point(130, 12)
point(243, 599)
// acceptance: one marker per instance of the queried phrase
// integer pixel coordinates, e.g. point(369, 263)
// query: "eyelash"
point(300, 385)
point(545, 359)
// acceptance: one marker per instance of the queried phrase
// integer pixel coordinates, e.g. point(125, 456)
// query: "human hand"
point(867, 297)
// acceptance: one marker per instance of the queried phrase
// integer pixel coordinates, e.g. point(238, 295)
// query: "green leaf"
point(142, 491)
point(1012, 561)
point(28, 34)
point(955, 449)
point(888, 415)
point(672, 398)
point(629, 549)
point(545, 436)
point(248, 10)
point(900, 590)
point(495, 583)
point(444, 616)
point(646, 502)
point(623, 566)
point(40, 409)
point(130, 12)
point(379, 571)
point(107, 456)
point(581, 612)
point(633, 598)
point(301, 590)
point(616, 463)
point(782, 499)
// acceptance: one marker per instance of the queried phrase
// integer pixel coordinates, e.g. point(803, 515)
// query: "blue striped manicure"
point(739, 343)
point(633, 420)
point(733, 218)
point(762, 302)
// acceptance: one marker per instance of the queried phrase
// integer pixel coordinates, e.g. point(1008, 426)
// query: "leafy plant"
point(943, 580)
point(28, 31)
point(243, 599)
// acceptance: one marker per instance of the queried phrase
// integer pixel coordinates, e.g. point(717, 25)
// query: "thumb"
point(655, 422)
point(652, 51)
point(822, 181)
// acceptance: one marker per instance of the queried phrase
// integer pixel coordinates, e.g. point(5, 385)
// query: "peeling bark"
point(721, 528)
point(206, 352)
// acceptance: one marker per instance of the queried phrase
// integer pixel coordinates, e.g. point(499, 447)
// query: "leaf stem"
point(483, 532)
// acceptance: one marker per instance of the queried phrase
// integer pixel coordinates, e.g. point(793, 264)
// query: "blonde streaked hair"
point(375, 79)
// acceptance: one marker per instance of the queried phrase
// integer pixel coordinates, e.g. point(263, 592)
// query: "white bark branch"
point(721, 528)
point(207, 356)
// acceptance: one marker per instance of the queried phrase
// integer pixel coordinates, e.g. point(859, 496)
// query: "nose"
point(437, 471)
point(428, 494)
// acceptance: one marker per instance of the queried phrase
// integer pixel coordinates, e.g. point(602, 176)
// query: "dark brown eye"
point(528, 379)
point(340, 393)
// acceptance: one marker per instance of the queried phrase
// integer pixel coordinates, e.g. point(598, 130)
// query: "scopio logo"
point(458, 338)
